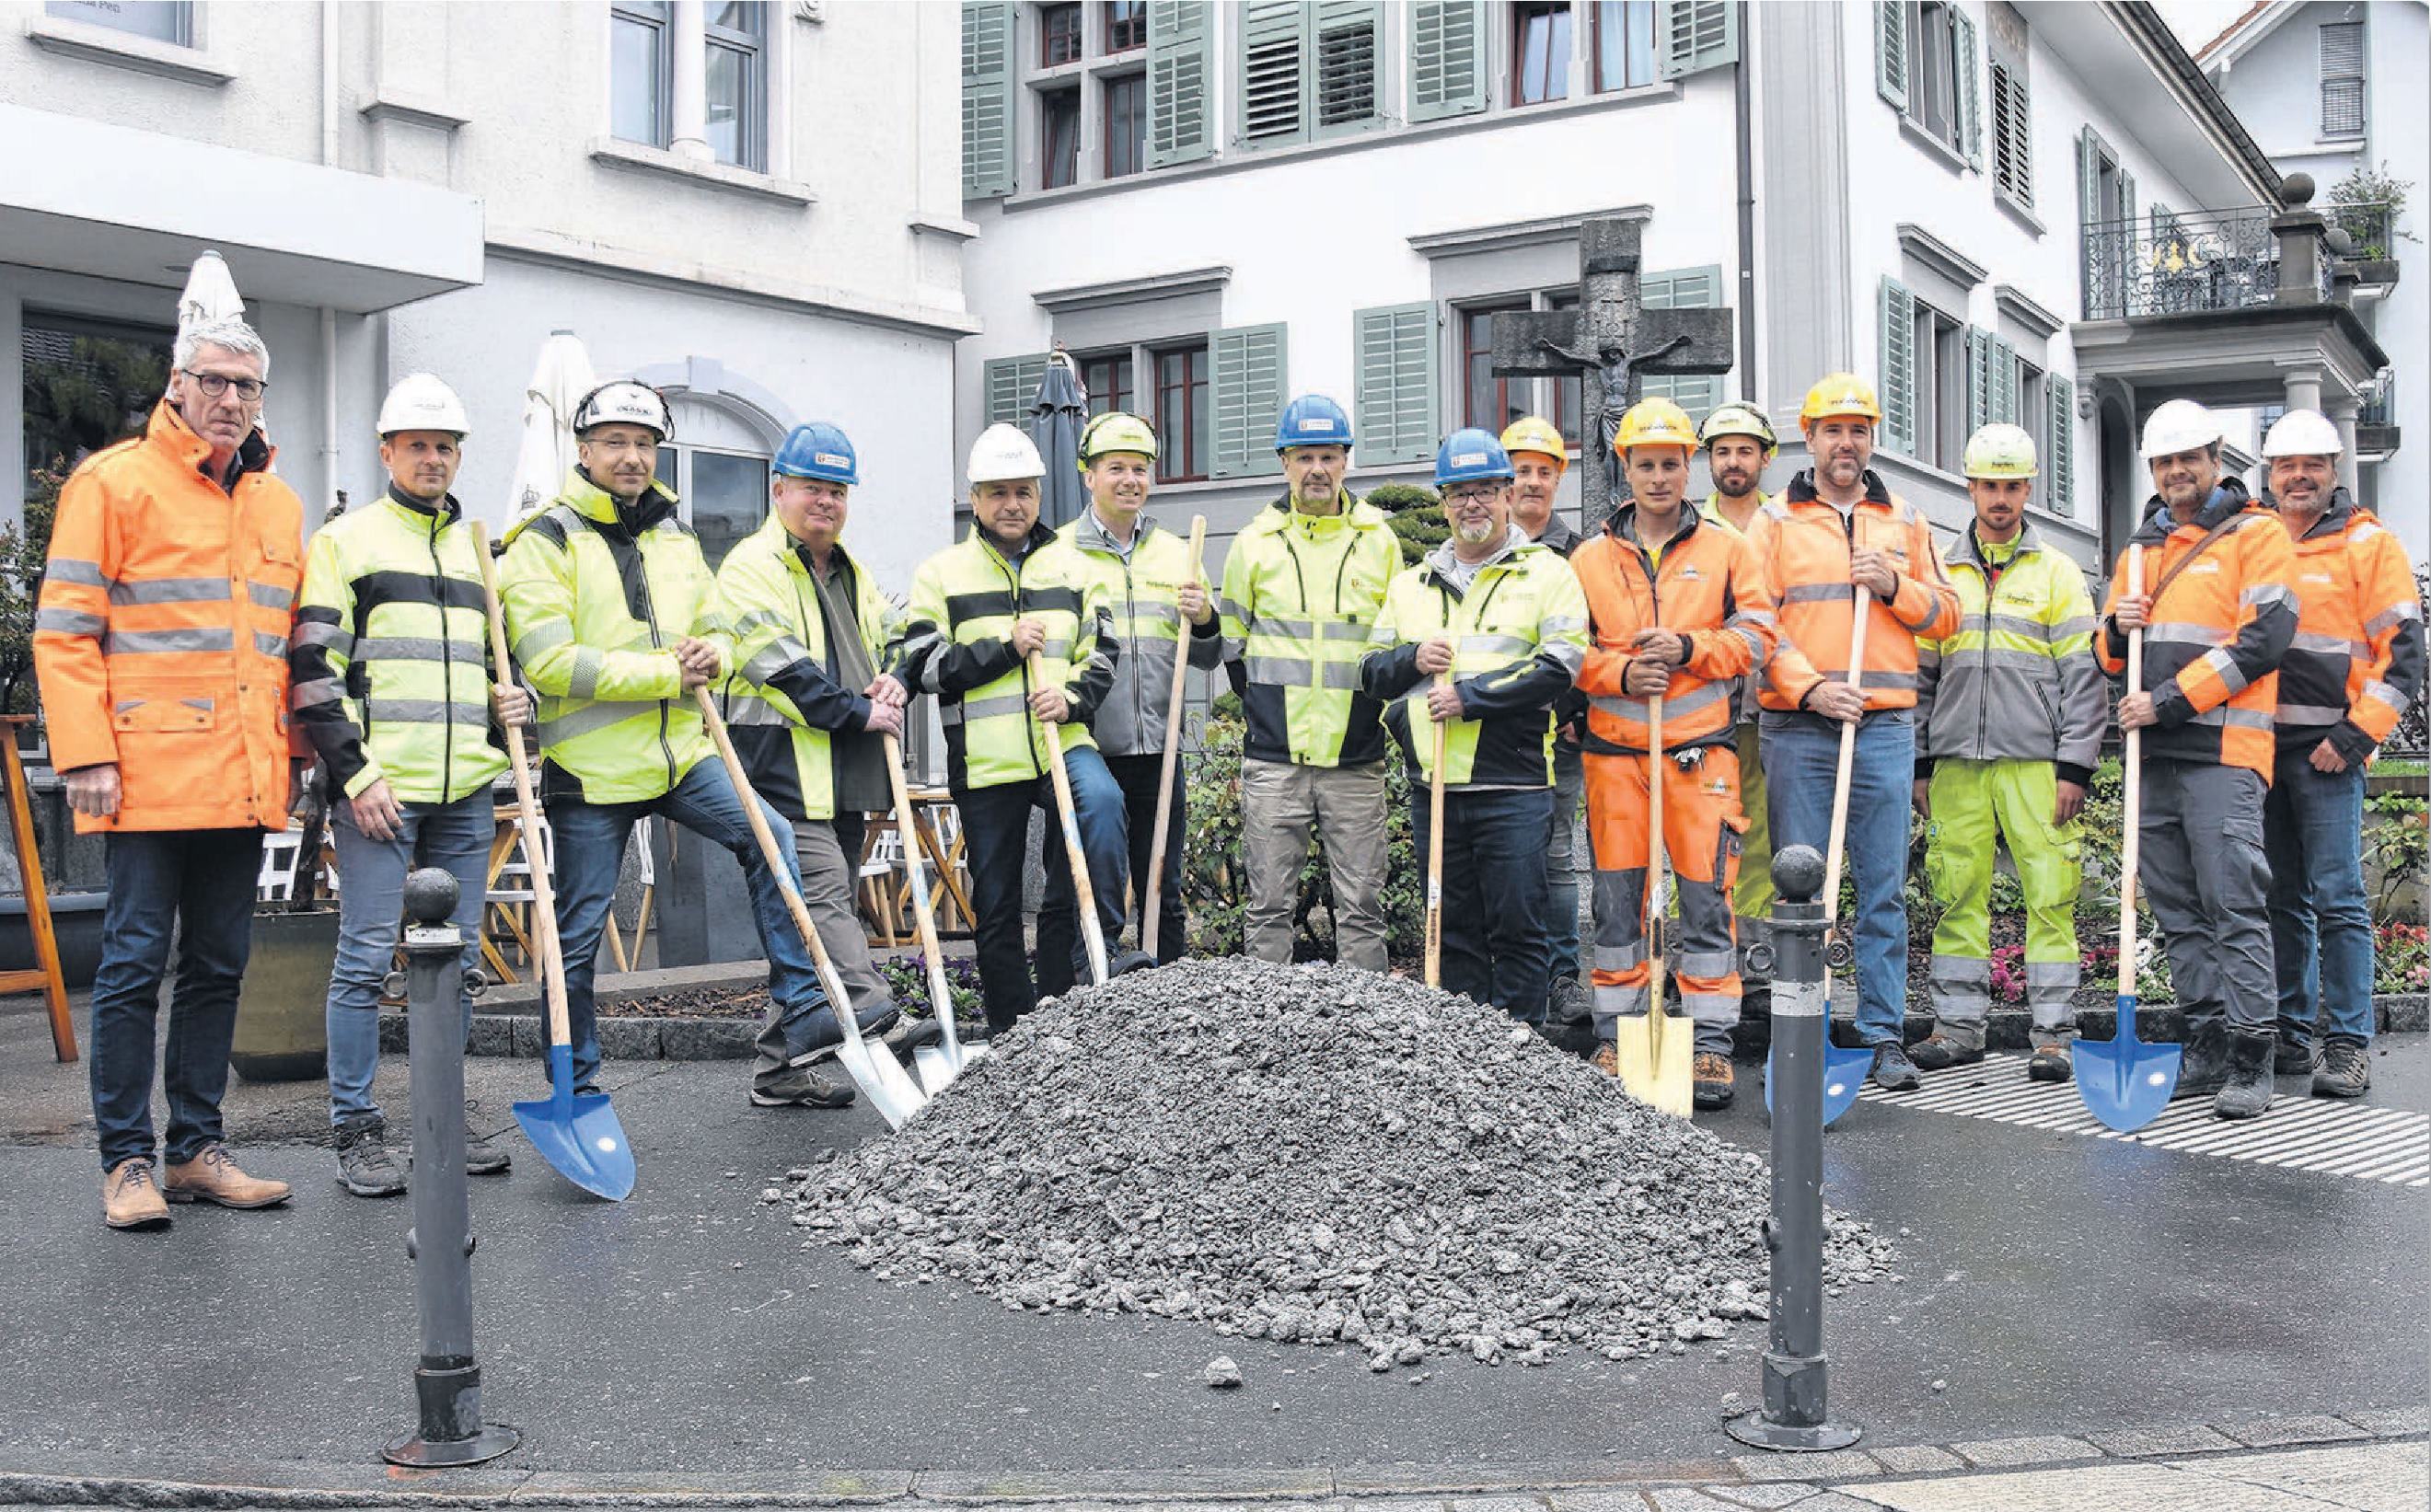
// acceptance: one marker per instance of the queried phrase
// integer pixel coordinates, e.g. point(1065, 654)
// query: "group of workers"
point(195, 659)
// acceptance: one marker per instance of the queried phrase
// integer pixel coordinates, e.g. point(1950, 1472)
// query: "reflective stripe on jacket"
point(1301, 593)
point(1518, 635)
point(2016, 680)
point(596, 599)
point(1706, 587)
point(1804, 546)
point(161, 634)
point(1141, 592)
point(780, 700)
point(391, 659)
point(2356, 660)
point(2214, 640)
point(958, 645)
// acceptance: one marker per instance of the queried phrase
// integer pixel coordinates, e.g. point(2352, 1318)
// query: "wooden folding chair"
point(648, 867)
point(506, 914)
point(882, 857)
point(45, 975)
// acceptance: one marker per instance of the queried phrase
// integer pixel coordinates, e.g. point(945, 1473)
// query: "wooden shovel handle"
point(1837, 849)
point(1084, 897)
point(1151, 909)
point(941, 1000)
point(1435, 845)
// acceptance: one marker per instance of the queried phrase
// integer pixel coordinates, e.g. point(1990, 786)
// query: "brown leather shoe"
point(1714, 1081)
point(212, 1176)
point(1607, 1058)
point(130, 1199)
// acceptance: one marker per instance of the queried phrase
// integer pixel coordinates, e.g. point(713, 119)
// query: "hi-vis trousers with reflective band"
point(1701, 825)
point(1971, 800)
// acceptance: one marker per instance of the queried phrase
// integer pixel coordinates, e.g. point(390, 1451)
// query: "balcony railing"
point(2383, 410)
point(2201, 261)
point(2372, 226)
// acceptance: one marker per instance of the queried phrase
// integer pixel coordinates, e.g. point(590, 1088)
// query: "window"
point(1126, 118)
point(1486, 401)
point(1934, 93)
point(2013, 153)
point(1540, 51)
point(1567, 404)
point(87, 385)
point(1306, 71)
point(640, 71)
point(1059, 35)
point(166, 21)
point(724, 495)
point(1940, 387)
point(1108, 379)
point(1058, 147)
point(2342, 79)
point(2033, 414)
point(1125, 24)
point(1925, 65)
point(1181, 414)
point(1625, 45)
point(1346, 69)
point(735, 87)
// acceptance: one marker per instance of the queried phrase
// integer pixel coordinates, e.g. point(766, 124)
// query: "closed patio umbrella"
point(1056, 416)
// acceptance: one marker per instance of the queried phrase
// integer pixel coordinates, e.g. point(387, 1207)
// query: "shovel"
point(577, 1133)
point(1150, 910)
point(1844, 1071)
point(1656, 1066)
point(881, 1077)
point(940, 1063)
point(1434, 847)
point(1085, 895)
point(2123, 1081)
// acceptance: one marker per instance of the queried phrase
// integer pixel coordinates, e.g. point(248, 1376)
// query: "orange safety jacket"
point(160, 640)
point(1706, 586)
point(2357, 661)
point(2214, 638)
point(1804, 546)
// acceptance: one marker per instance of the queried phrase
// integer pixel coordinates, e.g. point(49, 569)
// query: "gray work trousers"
point(2203, 872)
point(1280, 802)
point(827, 878)
point(1561, 860)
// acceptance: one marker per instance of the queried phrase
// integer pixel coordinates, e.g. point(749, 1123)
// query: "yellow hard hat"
point(1736, 418)
point(1533, 433)
point(1840, 393)
point(1655, 423)
point(2000, 451)
point(1115, 431)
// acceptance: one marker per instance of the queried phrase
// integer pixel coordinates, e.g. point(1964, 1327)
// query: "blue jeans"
point(995, 822)
point(1495, 943)
point(371, 905)
point(1802, 761)
point(590, 840)
point(197, 884)
point(2312, 831)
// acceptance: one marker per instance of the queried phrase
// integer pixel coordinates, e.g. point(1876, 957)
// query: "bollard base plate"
point(1755, 1429)
point(447, 1454)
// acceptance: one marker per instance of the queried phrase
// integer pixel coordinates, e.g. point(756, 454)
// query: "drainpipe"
point(330, 456)
point(1748, 389)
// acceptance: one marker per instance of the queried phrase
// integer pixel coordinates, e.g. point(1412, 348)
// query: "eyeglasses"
point(216, 384)
point(1472, 495)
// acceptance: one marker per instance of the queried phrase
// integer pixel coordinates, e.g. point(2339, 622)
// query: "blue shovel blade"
point(579, 1134)
point(1844, 1077)
point(2123, 1081)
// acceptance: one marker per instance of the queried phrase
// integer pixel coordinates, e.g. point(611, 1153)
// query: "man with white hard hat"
point(2356, 664)
point(2214, 596)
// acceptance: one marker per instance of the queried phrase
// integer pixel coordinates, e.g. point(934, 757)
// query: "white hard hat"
point(624, 402)
point(421, 402)
point(2302, 433)
point(1003, 453)
point(2180, 426)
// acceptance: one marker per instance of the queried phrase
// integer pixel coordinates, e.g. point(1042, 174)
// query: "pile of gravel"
point(1317, 1155)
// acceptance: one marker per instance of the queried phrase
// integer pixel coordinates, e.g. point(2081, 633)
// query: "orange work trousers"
point(1701, 825)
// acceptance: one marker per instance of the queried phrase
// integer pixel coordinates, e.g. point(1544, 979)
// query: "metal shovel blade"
point(1656, 1068)
point(579, 1135)
point(2123, 1081)
point(1844, 1077)
point(882, 1078)
point(939, 1064)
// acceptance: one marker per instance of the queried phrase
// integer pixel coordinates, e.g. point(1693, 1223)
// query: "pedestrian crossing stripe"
point(2365, 1142)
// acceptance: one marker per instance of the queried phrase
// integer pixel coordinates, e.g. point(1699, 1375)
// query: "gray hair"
point(228, 331)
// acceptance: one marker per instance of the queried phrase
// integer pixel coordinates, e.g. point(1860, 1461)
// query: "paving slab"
point(2002, 1454)
point(1765, 1497)
point(2359, 1477)
point(1911, 1458)
point(2296, 1428)
point(2124, 1488)
point(2152, 1443)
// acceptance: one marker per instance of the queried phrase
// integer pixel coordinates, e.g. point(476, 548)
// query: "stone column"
point(2343, 413)
point(688, 102)
point(2304, 389)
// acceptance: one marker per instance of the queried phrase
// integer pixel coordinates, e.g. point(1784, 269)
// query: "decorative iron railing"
point(2192, 262)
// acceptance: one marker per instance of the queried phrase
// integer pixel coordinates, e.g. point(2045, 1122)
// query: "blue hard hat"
point(817, 450)
point(1313, 420)
point(1471, 456)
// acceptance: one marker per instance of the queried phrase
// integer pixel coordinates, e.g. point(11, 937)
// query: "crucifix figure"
point(1610, 342)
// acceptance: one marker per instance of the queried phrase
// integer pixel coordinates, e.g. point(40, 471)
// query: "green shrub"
point(1417, 516)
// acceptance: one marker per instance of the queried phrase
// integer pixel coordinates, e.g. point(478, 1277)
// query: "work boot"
point(1607, 1059)
point(212, 1176)
point(1715, 1080)
point(801, 1086)
point(2346, 1070)
point(483, 1155)
point(2247, 1091)
point(129, 1198)
point(366, 1167)
point(2293, 1059)
point(2203, 1066)
point(1947, 1045)
point(1893, 1070)
point(2050, 1063)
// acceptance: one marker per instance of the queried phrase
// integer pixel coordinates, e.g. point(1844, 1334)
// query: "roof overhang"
point(2160, 95)
point(2236, 39)
point(295, 232)
point(2232, 358)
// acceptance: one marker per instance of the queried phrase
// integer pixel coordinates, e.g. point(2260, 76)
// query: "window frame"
point(1462, 313)
point(1122, 385)
point(656, 15)
point(1597, 83)
point(183, 35)
point(1933, 68)
point(680, 479)
point(1047, 16)
point(1940, 393)
point(1557, 61)
point(2357, 79)
point(1107, 43)
point(752, 134)
point(1107, 85)
point(1047, 101)
point(1176, 444)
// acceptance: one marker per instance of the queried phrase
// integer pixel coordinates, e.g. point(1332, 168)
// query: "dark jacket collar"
point(446, 511)
point(1623, 525)
point(1559, 538)
point(2334, 520)
point(2228, 498)
point(168, 430)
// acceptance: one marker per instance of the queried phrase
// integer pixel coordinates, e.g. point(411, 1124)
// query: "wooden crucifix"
point(1609, 343)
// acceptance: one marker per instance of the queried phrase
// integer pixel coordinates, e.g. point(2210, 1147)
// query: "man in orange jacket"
point(1676, 610)
point(1837, 529)
point(162, 646)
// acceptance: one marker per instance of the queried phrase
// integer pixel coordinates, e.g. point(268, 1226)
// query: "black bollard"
point(447, 1382)
point(1794, 1416)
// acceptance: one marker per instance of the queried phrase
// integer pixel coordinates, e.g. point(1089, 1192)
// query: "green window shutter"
point(1009, 384)
point(1696, 34)
point(1979, 380)
point(1345, 72)
point(1447, 59)
point(1898, 309)
point(2013, 153)
point(2060, 467)
point(1272, 106)
point(987, 99)
point(1890, 52)
point(1247, 369)
point(1683, 288)
point(1970, 90)
point(1180, 55)
point(2126, 206)
point(1394, 393)
point(2005, 383)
